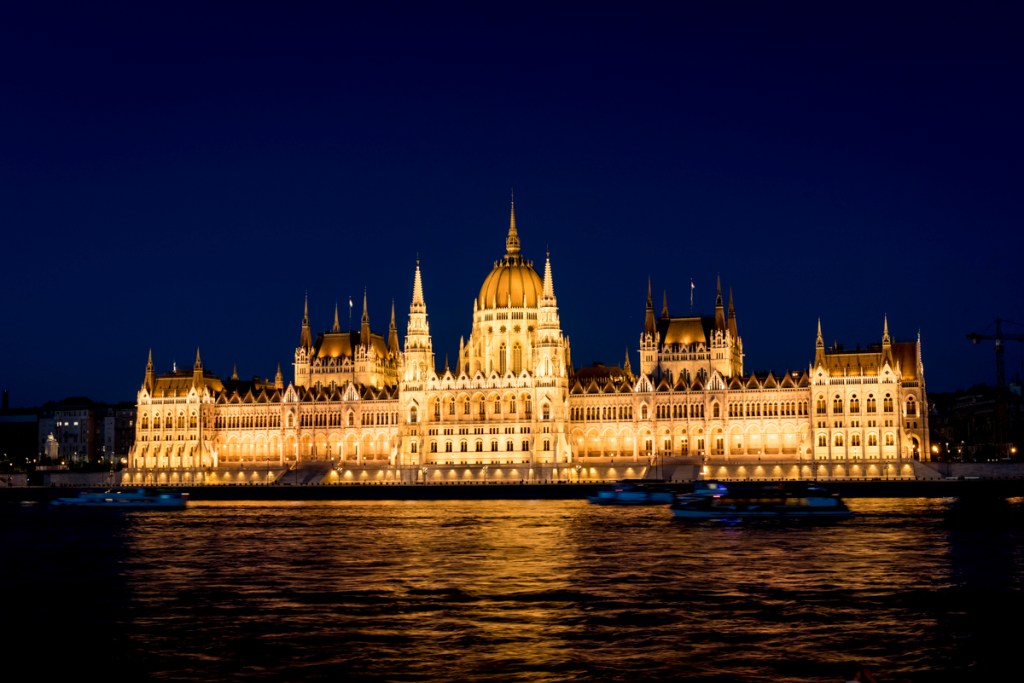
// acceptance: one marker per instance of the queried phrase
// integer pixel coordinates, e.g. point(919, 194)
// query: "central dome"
point(513, 281)
point(514, 284)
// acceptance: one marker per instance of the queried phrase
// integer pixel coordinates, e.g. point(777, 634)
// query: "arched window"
point(447, 446)
point(872, 439)
point(822, 440)
point(145, 421)
point(192, 420)
point(497, 406)
point(854, 404)
point(855, 439)
point(451, 406)
point(517, 358)
point(716, 410)
point(838, 441)
point(465, 406)
point(872, 406)
point(545, 412)
point(890, 440)
point(413, 415)
point(494, 444)
point(911, 407)
point(351, 418)
point(887, 404)
point(437, 408)
point(643, 412)
point(529, 406)
point(820, 405)
point(837, 404)
point(479, 446)
point(169, 422)
point(502, 358)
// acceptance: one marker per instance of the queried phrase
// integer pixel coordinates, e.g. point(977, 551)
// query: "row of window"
point(871, 407)
point(840, 440)
point(478, 446)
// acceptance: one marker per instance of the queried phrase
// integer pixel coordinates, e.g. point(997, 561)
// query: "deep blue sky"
point(177, 176)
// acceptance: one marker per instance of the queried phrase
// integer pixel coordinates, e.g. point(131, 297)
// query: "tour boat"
point(136, 499)
point(628, 492)
point(718, 500)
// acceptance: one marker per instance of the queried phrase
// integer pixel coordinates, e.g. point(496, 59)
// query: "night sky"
point(175, 177)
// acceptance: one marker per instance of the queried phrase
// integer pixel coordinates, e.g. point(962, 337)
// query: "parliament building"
point(362, 407)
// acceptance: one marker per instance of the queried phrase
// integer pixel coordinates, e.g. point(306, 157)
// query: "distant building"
point(366, 407)
point(18, 430)
point(965, 424)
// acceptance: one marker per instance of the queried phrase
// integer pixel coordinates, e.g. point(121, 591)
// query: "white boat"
point(140, 498)
point(627, 492)
point(718, 500)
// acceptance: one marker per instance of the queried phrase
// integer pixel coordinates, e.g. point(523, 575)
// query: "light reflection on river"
point(512, 591)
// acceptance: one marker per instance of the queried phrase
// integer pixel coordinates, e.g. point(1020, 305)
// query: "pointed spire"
point(417, 286)
point(819, 348)
point(719, 307)
point(732, 318)
point(393, 332)
point(649, 327)
point(886, 342)
point(364, 331)
point(446, 368)
point(305, 337)
point(197, 370)
point(337, 325)
point(549, 283)
point(279, 378)
point(626, 366)
point(234, 371)
point(664, 304)
point(150, 380)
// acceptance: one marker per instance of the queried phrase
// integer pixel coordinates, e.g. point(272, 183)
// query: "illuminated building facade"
point(361, 407)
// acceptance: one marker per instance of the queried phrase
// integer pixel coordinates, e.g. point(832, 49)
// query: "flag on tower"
point(691, 295)
point(350, 303)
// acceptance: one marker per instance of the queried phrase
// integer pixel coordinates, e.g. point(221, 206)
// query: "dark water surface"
point(919, 589)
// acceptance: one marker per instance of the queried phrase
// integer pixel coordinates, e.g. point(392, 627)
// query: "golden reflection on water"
point(484, 588)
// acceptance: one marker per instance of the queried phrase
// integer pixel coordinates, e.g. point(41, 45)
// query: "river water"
point(918, 589)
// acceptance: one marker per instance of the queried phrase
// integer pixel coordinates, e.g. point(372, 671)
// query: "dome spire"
point(512, 241)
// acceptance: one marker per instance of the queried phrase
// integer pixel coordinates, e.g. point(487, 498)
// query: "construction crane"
point(999, 338)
